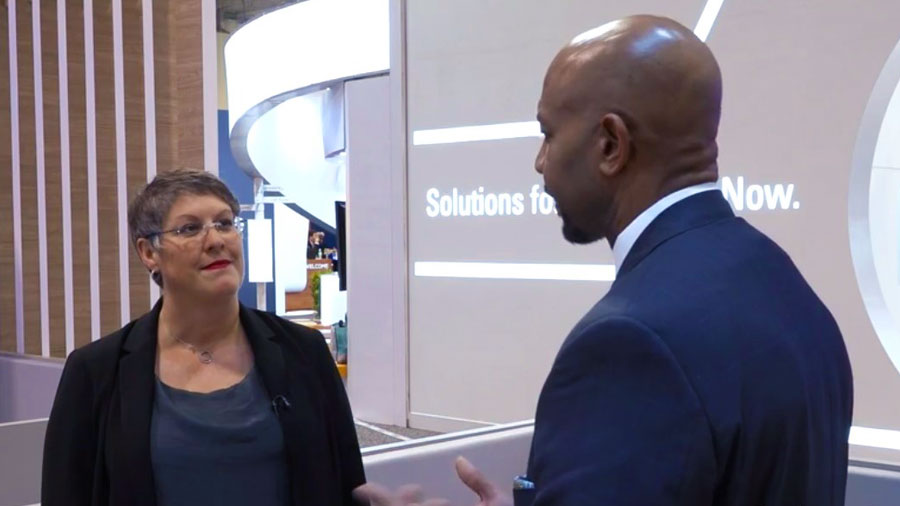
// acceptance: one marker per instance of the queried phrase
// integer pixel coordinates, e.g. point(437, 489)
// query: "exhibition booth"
point(404, 132)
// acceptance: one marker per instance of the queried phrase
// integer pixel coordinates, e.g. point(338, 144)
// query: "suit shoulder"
point(94, 365)
point(605, 315)
point(612, 311)
point(102, 352)
point(300, 335)
point(299, 343)
point(603, 326)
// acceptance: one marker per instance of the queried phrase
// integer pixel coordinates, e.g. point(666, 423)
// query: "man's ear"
point(613, 144)
point(148, 254)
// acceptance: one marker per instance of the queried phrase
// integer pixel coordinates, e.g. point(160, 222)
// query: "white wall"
point(291, 231)
point(376, 332)
point(27, 386)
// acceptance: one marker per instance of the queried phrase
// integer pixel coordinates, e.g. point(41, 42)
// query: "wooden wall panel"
point(188, 42)
point(107, 204)
point(178, 106)
point(53, 178)
point(7, 273)
point(81, 281)
point(27, 149)
point(163, 69)
point(136, 145)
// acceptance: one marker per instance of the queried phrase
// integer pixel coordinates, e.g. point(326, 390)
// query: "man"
point(314, 244)
point(710, 373)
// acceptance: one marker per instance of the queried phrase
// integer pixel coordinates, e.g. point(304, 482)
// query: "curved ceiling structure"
point(279, 69)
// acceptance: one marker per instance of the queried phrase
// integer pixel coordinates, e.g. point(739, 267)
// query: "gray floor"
point(372, 437)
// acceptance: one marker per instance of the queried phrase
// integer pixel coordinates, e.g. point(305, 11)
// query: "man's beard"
point(573, 234)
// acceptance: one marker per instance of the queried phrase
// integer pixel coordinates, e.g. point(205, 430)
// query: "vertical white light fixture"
point(65, 169)
point(40, 160)
point(259, 250)
point(708, 18)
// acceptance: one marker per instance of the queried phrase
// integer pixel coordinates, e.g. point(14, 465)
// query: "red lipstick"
point(218, 264)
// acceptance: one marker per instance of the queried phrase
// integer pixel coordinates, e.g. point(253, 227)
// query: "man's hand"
point(407, 495)
point(411, 495)
point(488, 495)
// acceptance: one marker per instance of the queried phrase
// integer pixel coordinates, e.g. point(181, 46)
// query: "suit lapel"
point(136, 377)
point(300, 417)
point(695, 211)
point(266, 351)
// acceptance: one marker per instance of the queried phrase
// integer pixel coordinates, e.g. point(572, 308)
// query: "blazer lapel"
point(136, 377)
point(266, 351)
point(695, 211)
point(297, 403)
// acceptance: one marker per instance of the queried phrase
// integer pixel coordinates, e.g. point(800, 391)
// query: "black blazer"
point(710, 374)
point(97, 448)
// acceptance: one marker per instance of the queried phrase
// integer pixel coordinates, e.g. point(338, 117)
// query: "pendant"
point(205, 357)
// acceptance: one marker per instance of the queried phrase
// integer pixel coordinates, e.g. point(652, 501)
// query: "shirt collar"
point(625, 241)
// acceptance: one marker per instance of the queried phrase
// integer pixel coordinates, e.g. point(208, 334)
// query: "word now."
point(756, 197)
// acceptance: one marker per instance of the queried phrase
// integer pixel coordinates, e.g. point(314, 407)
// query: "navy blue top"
point(224, 447)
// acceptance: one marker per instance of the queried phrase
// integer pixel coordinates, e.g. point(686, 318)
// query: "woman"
point(201, 400)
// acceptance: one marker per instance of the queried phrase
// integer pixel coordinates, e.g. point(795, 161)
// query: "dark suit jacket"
point(710, 374)
point(97, 448)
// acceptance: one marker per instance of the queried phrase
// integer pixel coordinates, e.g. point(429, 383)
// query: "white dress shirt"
point(630, 235)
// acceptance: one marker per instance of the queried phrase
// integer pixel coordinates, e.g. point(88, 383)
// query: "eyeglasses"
point(225, 226)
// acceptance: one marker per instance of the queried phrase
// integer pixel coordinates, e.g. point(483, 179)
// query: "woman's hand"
point(407, 495)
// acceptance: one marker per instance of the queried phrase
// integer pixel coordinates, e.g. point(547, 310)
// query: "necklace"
point(204, 356)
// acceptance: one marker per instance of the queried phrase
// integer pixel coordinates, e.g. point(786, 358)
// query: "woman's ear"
point(148, 254)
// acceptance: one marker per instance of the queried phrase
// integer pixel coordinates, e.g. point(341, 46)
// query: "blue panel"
point(229, 172)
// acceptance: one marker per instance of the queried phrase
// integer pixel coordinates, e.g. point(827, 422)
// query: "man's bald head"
point(653, 71)
point(640, 100)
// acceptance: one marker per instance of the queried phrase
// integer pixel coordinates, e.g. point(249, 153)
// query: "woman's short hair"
point(149, 208)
